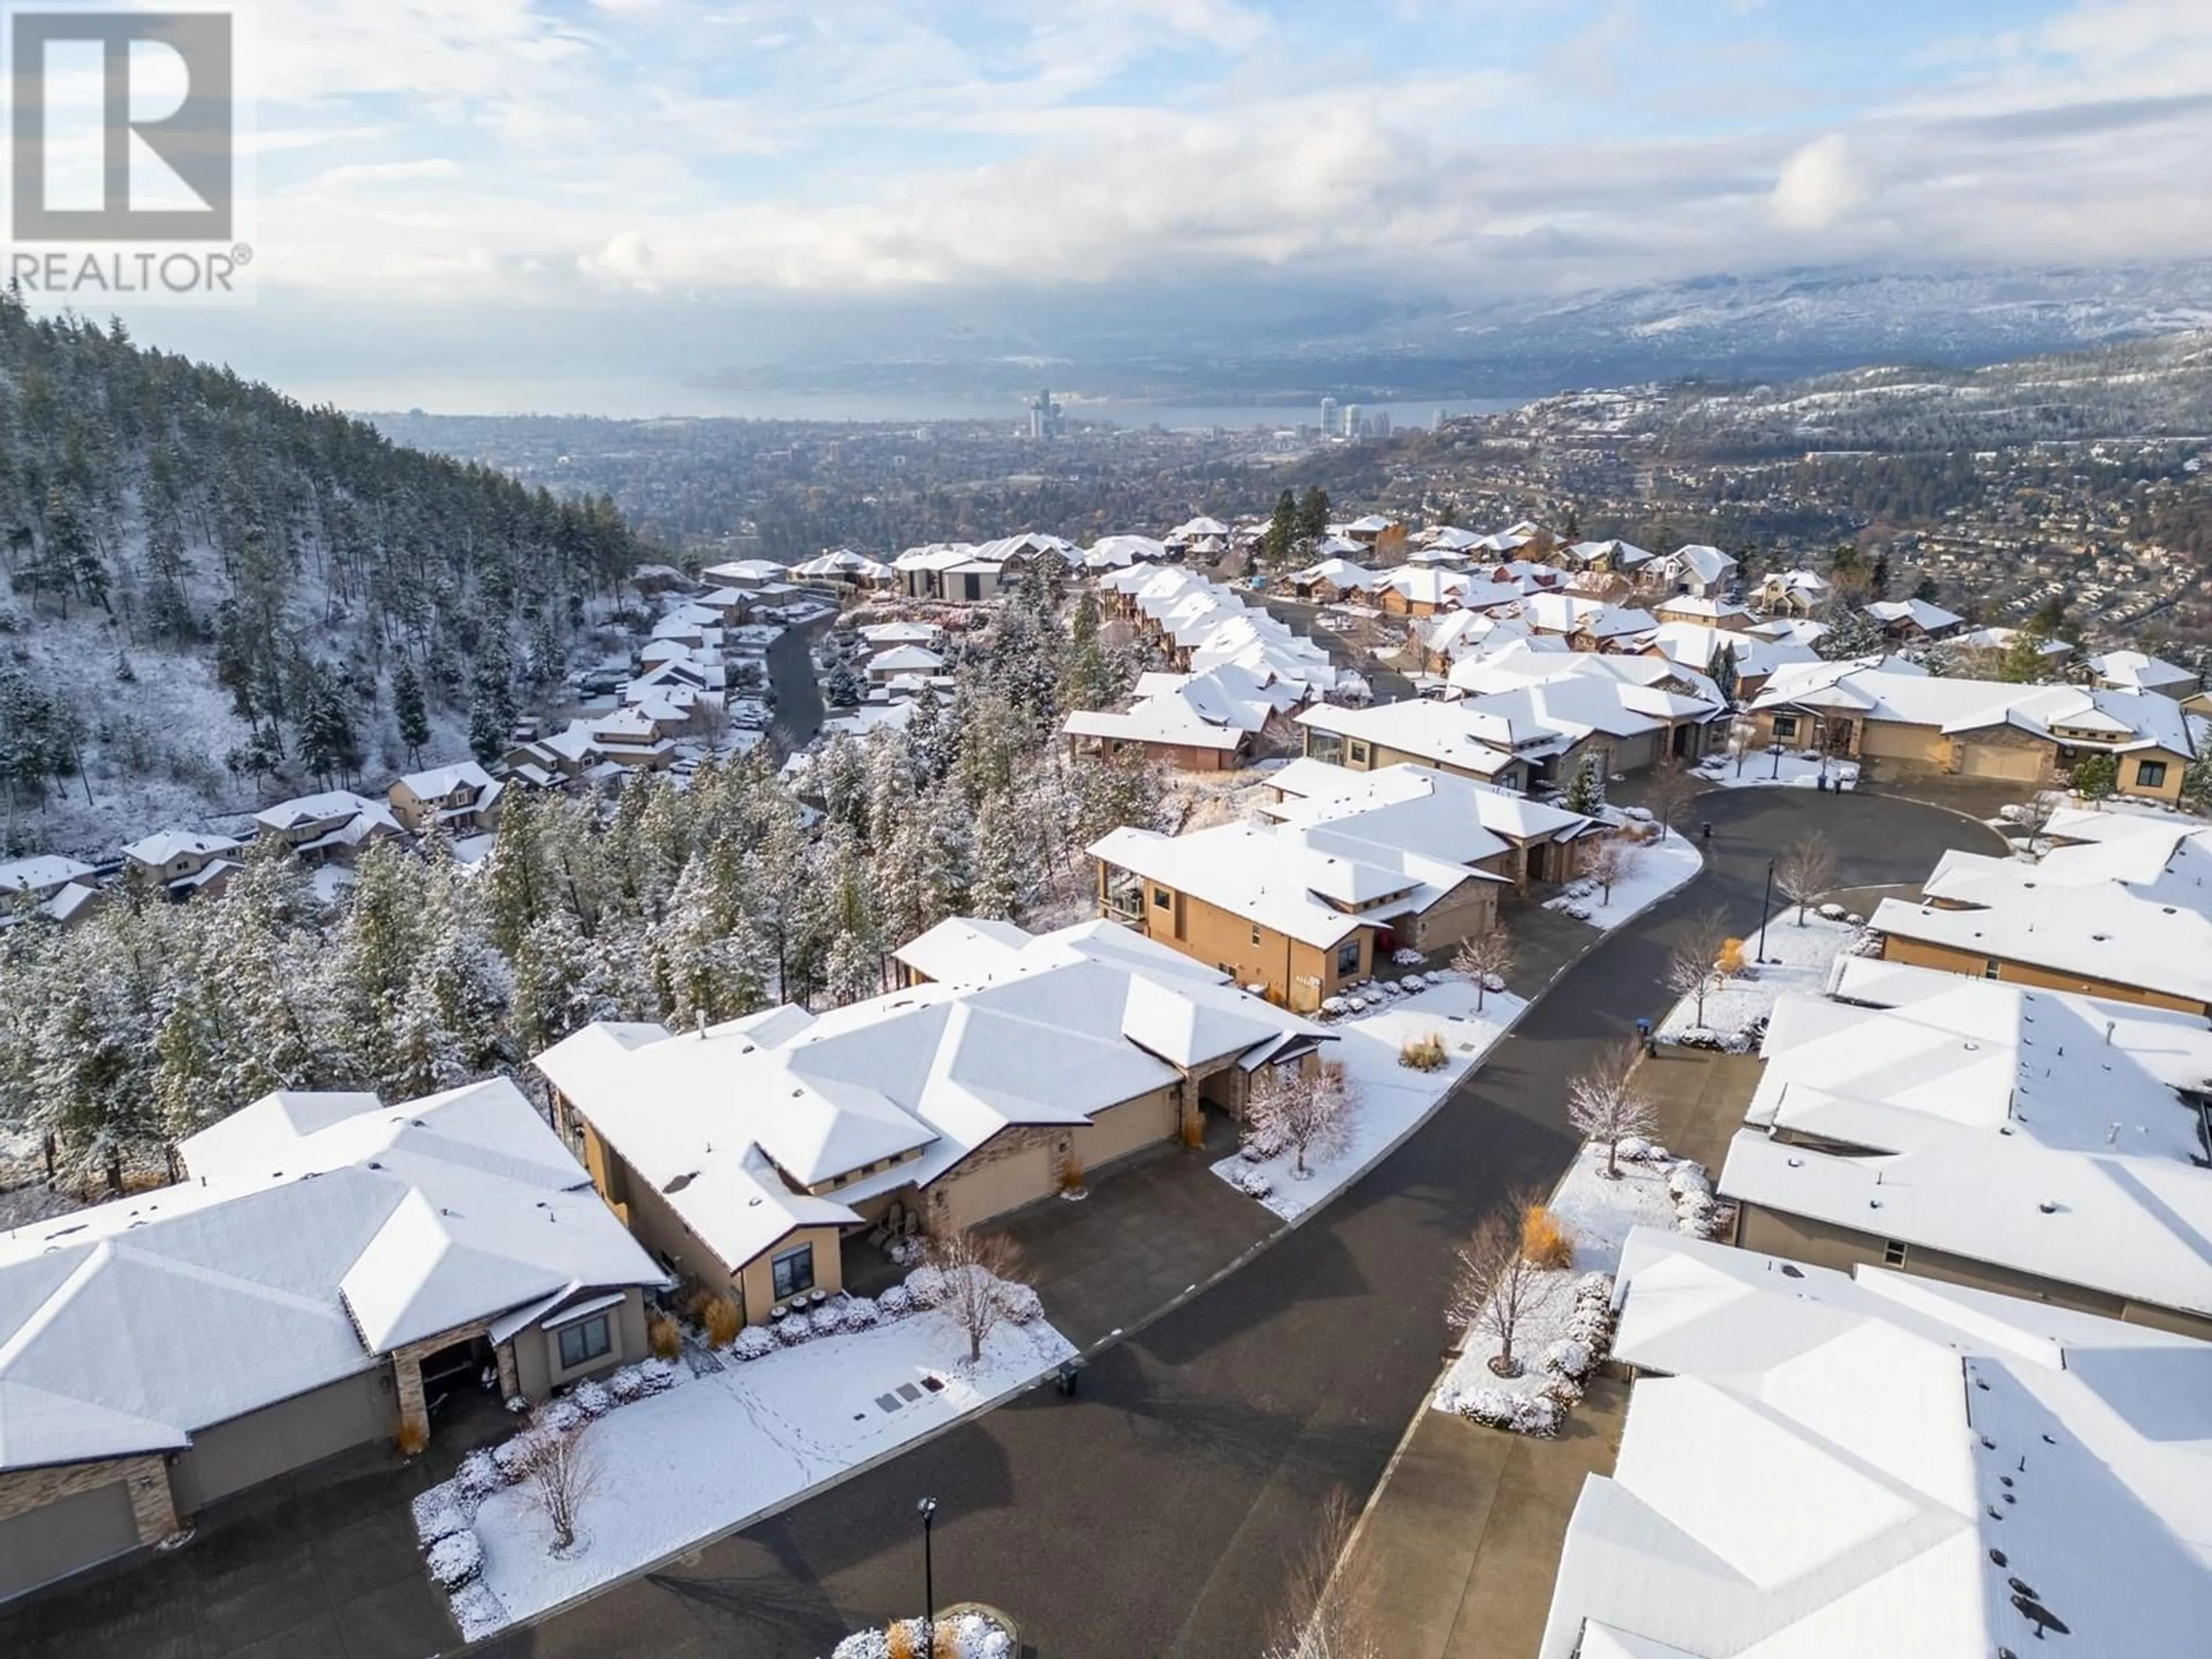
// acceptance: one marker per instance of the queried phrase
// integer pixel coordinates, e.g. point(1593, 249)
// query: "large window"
point(1358, 753)
point(1163, 899)
point(794, 1272)
point(584, 1341)
point(1785, 728)
point(1347, 958)
point(2150, 774)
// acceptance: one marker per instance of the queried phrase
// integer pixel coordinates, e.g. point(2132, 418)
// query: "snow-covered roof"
point(905, 659)
point(440, 782)
point(744, 571)
point(1693, 646)
point(883, 635)
point(163, 845)
point(1794, 630)
point(1191, 529)
point(1690, 607)
point(1314, 791)
point(2137, 671)
point(1989, 1121)
point(42, 874)
point(1921, 614)
point(1570, 613)
point(1700, 560)
point(1384, 860)
point(318, 1233)
point(1895, 691)
point(1831, 1465)
point(1113, 552)
point(1443, 734)
point(1341, 572)
point(354, 820)
point(1624, 555)
point(732, 1123)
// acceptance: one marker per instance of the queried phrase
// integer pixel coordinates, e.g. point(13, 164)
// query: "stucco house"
point(184, 863)
point(461, 799)
point(334, 826)
point(329, 1269)
point(754, 1156)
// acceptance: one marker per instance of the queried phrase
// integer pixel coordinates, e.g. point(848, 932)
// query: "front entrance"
point(456, 1372)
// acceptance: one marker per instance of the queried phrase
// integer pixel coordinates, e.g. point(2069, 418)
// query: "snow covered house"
point(2127, 916)
point(1701, 613)
point(1335, 579)
point(745, 573)
point(953, 573)
point(330, 1269)
point(1555, 710)
point(844, 566)
point(1615, 557)
point(1904, 621)
point(1695, 569)
point(2136, 671)
point(1588, 625)
point(1196, 722)
point(1753, 660)
point(1791, 594)
point(1817, 1465)
point(1305, 904)
point(460, 799)
point(901, 659)
point(334, 826)
point(1986, 1133)
point(184, 863)
point(756, 1156)
point(1980, 650)
point(1894, 714)
point(1421, 590)
point(61, 889)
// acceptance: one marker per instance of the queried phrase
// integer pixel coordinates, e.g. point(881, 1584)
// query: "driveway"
point(1155, 1513)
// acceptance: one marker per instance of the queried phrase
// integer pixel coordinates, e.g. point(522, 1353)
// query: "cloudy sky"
point(482, 187)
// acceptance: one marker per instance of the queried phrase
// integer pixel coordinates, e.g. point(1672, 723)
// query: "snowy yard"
point(1797, 959)
point(1561, 1323)
point(1392, 1099)
point(1660, 867)
point(702, 1459)
point(1760, 769)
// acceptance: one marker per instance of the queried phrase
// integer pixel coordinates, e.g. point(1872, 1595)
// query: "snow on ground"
point(1661, 867)
point(1797, 959)
point(1597, 1214)
point(1393, 1099)
point(1199, 800)
point(703, 1458)
point(1760, 769)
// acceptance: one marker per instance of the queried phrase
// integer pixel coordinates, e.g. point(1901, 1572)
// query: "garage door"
point(1989, 760)
point(1128, 1127)
point(67, 1536)
point(998, 1186)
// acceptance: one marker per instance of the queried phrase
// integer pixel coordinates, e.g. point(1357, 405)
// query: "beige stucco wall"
point(537, 1366)
point(1296, 974)
point(756, 1280)
point(1919, 953)
point(1130, 1127)
point(1013, 1168)
point(1469, 909)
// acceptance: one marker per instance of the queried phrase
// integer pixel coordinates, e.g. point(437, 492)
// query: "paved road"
point(799, 711)
point(1154, 1515)
point(1389, 684)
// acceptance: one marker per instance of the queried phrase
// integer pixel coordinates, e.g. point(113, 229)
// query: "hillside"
point(212, 593)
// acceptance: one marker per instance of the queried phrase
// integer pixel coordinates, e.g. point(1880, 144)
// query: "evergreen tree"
point(491, 706)
point(1586, 792)
point(1280, 539)
point(1722, 671)
point(1313, 514)
point(2095, 777)
point(409, 711)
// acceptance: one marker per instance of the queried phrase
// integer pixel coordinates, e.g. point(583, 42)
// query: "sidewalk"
point(1462, 1543)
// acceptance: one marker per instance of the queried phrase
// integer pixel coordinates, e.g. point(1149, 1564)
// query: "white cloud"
point(1819, 185)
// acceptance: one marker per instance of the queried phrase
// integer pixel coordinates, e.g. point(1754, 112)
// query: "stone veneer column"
point(414, 1411)
point(153, 1506)
point(509, 1384)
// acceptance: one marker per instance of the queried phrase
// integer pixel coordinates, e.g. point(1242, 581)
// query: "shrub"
point(860, 1313)
point(828, 1318)
point(456, 1560)
point(793, 1329)
point(663, 1335)
point(591, 1398)
point(412, 1438)
point(897, 1303)
point(514, 1454)
point(752, 1343)
point(1424, 1054)
point(1071, 1173)
point(1251, 1182)
point(1021, 1302)
point(442, 1520)
point(1545, 1239)
point(1687, 1177)
point(1517, 1413)
point(925, 1285)
point(722, 1321)
point(1569, 1357)
point(1731, 959)
point(479, 1476)
point(561, 1417)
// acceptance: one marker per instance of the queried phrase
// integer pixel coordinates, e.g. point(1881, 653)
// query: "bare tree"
point(560, 1471)
point(2034, 814)
point(1497, 1289)
point(1330, 1611)
point(1604, 1103)
point(1485, 956)
point(1611, 862)
point(1805, 870)
point(976, 1270)
point(1690, 966)
point(1667, 792)
point(1309, 1110)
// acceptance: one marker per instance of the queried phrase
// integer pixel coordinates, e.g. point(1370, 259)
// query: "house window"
point(1893, 1254)
point(794, 1272)
point(1358, 753)
point(1785, 728)
point(1163, 899)
point(584, 1341)
point(1255, 934)
point(1990, 968)
point(1347, 958)
point(2150, 774)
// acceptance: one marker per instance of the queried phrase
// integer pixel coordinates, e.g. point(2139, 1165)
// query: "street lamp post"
point(1765, 907)
point(1778, 758)
point(928, 1509)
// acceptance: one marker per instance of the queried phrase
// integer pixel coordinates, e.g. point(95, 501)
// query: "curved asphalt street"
point(1157, 1514)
